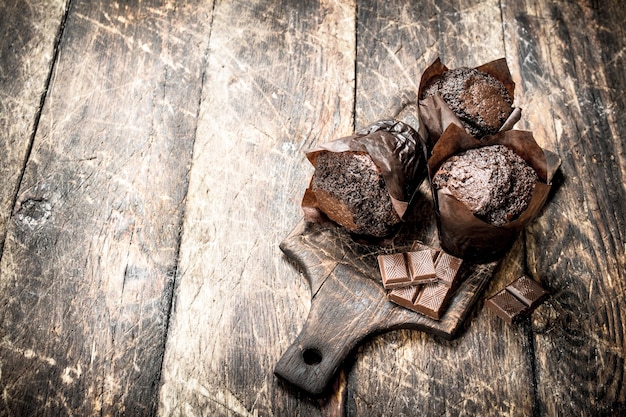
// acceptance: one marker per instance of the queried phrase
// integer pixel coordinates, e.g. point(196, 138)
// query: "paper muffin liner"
point(435, 115)
point(465, 235)
point(394, 149)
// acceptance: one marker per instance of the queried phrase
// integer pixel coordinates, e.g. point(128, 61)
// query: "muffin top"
point(352, 193)
point(479, 100)
point(493, 182)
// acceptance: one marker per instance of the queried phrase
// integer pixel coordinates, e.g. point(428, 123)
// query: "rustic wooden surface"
point(153, 161)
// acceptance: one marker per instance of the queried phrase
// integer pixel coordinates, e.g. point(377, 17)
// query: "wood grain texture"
point(566, 56)
point(91, 259)
point(91, 252)
point(397, 40)
point(280, 79)
point(489, 360)
point(28, 36)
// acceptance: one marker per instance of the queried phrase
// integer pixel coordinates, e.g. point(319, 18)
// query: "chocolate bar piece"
point(506, 306)
point(393, 270)
point(419, 246)
point(527, 291)
point(421, 267)
point(447, 268)
point(404, 296)
point(433, 299)
point(517, 300)
point(430, 298)
point(405, 269)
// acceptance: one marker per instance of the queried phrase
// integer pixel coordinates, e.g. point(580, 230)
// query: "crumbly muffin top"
point(493, 182)
point(479, 100)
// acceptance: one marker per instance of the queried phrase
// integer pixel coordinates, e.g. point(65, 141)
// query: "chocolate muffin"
point(351, 191)
point(493, 182)
point(365, 181)
point(479, 100)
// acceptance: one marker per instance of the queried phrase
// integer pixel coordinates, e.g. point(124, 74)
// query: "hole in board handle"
point(312, 356)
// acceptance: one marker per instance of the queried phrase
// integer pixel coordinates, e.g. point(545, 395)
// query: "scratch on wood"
point(219, 396)
point(128, 40)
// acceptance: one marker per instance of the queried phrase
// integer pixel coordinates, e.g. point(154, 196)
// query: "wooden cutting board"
point(349, 303)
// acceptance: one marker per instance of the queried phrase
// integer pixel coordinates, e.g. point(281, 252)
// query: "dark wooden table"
point(152, 161)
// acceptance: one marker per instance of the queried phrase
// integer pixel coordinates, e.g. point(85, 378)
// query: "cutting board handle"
point(338, 320)
point(310, 363)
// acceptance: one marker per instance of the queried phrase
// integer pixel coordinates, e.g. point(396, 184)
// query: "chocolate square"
point(506, 306)
point(393, 270)
point(433, 276)
point(433, 299)
point(421, 267)
point(404, 296)
point(527, 291)
point(447, 268)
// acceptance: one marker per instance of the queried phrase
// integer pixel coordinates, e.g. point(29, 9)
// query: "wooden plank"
point(486, 370)
point(570, 60)
point(28, 34)
point(91, 254)
point(90, 260)
point(280, 79)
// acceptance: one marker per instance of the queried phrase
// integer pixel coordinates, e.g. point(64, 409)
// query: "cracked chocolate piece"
point(433, 299)
point(405, 269)
point(404, 296)
point(527, 291)
point(429, 299)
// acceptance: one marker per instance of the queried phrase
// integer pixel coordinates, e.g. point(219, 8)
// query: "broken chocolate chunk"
point(433, 299)
point(434, 276)
point(406, 269)
point(404, 296)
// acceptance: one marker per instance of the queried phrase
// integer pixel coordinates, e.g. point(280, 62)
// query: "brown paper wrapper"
point(394, 148)
point(465, 235)
point(435, 115)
